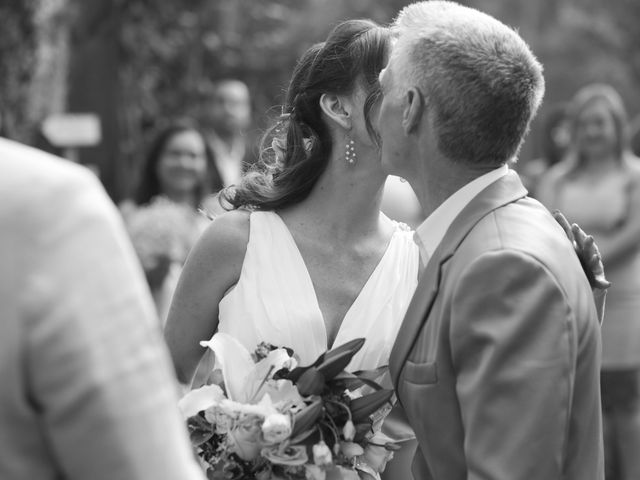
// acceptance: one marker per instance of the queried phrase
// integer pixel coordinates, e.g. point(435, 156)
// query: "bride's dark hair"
point(295, 151)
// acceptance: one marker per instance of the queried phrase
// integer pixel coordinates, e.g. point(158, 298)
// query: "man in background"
point(226, 121)
point(87, 385)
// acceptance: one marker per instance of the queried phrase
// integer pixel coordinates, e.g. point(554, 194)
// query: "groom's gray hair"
point(479, 79)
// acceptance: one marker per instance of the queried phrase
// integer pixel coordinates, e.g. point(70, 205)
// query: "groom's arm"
point(514, 346)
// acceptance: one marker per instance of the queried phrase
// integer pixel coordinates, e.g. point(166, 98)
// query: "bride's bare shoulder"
point(234, 223)
point(226, 237)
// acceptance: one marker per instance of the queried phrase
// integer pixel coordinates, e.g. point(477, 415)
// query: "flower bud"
point(349, 431)
point(322, 455)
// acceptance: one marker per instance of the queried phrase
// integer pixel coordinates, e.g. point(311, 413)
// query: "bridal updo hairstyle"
point(295, 151)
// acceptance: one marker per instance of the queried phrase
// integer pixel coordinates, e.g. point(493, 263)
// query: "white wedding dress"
point(274, 300)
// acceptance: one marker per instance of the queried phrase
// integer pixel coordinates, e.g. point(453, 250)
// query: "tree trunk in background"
point(34, 53)
point(93, 86)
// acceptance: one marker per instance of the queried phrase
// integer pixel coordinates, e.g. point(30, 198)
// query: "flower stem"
point(264, 380)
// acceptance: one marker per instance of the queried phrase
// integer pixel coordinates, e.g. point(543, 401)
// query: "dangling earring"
point(350, 152)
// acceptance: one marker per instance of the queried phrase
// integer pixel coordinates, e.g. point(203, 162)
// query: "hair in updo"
point(295, 151)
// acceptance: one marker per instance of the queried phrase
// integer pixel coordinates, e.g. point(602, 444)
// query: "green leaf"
point(199, 430)
point(199, 437)
point(331, 366)
point(312, 382)
point(306, 418)
point(307, 437)
point(362, 430)
point(352, 346)
point(295, 374)
point(351, 382)
point(373, 374)
point(364, 406)
point(328, 358)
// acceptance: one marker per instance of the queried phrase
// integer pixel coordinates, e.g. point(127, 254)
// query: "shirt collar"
point(431, 232)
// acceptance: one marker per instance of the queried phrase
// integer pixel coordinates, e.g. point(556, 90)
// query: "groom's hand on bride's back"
point(587, 252)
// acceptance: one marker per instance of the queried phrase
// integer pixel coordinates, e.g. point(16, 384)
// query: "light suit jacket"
point(87, 389)
point(497, 362)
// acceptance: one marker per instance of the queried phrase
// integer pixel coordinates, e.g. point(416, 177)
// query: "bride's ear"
point(337, 109)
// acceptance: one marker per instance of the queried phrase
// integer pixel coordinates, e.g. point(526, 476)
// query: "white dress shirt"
point(228, 159)
point(87, 385)
point(431, 232)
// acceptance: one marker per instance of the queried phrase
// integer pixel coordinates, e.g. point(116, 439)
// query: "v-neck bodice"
point(275, 300)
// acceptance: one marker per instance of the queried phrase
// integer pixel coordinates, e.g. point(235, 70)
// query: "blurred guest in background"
point(177, 177)
point(227, 120)
point(179, 166)
point(597, 184)
point(87, 385)
point(554, 143)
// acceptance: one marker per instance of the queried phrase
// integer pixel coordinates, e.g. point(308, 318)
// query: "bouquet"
point(162, 233)
point(266, 418)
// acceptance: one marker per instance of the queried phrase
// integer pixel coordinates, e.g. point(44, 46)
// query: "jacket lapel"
point(501, 192)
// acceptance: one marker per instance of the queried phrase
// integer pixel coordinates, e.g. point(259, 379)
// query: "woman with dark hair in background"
point(178, 166)
point(597, 184)
point(163, 221)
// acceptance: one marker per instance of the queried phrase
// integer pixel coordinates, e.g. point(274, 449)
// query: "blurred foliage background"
point(138, 63)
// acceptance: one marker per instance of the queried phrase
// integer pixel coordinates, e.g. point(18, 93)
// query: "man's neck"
point(441, 178)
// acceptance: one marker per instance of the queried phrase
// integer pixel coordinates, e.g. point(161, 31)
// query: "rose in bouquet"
point(269, 418)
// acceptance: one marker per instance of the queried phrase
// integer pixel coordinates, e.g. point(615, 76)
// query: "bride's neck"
point(347, 202)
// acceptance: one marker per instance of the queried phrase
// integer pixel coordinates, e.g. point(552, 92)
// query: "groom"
point(497, 361)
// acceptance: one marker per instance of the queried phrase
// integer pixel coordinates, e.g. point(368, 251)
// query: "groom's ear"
point(413, 109)
point(337, 109)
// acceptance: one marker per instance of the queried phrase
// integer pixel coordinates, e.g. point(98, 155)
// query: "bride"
point(306, 259)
